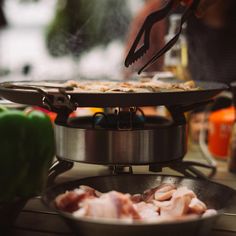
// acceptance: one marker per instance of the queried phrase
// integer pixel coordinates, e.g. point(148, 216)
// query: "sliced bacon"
point(136, 198)
point(160, 204)
point(209, 213)
point(113, 205)
point(197, 206)
point(90, 190)
point(183, 191)
point(179, 204)
point(177, 208)
point(69, 201)
point(147, 211)
point(101, 207)
point(124, 205)
point(163, 192)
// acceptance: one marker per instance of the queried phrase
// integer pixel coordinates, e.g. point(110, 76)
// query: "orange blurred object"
point(220, 129)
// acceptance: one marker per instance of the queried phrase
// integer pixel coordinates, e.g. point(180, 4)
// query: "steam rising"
point(86, 38)
point(97, 38)
point(102, 62)
point(82, 25)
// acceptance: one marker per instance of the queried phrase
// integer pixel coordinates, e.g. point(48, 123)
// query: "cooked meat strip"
point(189, 85)
point(142, 86)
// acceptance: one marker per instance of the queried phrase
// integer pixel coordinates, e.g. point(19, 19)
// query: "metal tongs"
point(145, 31)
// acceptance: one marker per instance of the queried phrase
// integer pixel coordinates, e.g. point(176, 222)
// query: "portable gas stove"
point(122, 136)
point(125, 138)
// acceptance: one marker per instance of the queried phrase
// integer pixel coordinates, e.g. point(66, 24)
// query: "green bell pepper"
point(26, 152)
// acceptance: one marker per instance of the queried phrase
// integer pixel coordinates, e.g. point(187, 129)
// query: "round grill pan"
point(32, 96)
point(217, 196)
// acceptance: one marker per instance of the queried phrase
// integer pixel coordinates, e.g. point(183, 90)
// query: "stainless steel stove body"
point(123, 138)
point(155, 140)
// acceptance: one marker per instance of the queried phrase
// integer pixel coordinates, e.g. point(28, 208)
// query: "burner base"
point(159, 141)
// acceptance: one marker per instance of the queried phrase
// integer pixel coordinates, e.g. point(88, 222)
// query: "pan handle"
point(52, 102)
point(57, 168)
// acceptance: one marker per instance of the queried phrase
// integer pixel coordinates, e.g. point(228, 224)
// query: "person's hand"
point(203, 6)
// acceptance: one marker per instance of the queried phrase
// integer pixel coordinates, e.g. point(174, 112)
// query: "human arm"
point(156, 38)
point(159, 29)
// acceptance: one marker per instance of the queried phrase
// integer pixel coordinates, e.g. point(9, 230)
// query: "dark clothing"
point(212, 52)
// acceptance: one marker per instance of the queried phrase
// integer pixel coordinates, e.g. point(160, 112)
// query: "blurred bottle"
point(232, 151)
point(176, 59)
point(232, 146)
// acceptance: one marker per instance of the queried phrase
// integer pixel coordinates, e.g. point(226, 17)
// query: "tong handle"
point(144, 33)
point(173, 41)
point(134, 53)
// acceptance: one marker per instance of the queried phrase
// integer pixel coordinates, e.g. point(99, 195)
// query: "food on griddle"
point(142, 86)
point(163, 203)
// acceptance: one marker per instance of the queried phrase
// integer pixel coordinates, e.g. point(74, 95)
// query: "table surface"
point(37, 220)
